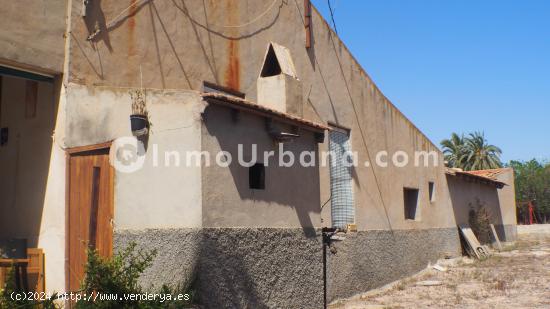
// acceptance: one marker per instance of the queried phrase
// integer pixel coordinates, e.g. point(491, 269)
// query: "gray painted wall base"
point(177, 254)
point(371, 259)
point(283, 268)
point(236, 267)
point(261, 268)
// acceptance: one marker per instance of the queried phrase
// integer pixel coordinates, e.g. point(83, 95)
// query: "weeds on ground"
point(500, 285)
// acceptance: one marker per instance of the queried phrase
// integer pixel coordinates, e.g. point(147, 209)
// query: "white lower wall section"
point(52, 228)
point(165, 192)
point(156, 196)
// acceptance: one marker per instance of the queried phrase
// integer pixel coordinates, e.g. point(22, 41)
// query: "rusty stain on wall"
point(232, 74)
point(131, 28)
point(233, 70)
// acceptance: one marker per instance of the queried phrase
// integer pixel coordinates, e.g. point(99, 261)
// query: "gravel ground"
point(518, 277)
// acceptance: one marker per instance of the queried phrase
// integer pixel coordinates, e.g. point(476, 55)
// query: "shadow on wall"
point(260, 268)
point(96, 24)
point(28, 111)
point(205, 19)
point(234, 267)
point(217, 29)
point(466, 196)
point(226, 267)
point(296, 187)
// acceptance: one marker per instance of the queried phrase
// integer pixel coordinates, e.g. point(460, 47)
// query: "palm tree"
point(454, 150)
point(480, 154)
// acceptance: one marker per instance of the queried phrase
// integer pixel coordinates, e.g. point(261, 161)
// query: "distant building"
point(493, 190)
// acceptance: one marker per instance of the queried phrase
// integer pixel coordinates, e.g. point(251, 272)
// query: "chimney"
point(278, 85)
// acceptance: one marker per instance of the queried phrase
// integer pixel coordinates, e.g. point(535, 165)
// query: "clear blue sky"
point(458, 65)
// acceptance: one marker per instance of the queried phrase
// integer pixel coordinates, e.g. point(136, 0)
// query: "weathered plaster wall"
point(173, 199)
point(507, 199)
point(32, 191)
point(507, 196)
point(52, 227)
point(466, 195)
point(32, 33)
point(178, 45)
point(291, 195)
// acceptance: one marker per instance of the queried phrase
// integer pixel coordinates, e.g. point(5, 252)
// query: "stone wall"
point(236, 267)
point(371, 259)
point(283, 268)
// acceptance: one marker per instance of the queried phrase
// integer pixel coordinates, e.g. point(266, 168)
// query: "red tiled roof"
point(247, 105)
point(492, 173)
point(482, 175)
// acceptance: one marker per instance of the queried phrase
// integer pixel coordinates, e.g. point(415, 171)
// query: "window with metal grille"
point(342, 206)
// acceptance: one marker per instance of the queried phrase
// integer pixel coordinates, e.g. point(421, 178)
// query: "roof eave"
point(263, 111)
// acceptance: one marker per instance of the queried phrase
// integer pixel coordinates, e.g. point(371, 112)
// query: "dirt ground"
point(518, 277)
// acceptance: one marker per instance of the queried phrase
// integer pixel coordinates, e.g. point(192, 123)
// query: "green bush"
point(119, 276)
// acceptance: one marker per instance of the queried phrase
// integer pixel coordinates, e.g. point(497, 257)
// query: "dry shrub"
point(480, 220)
point(500, 285)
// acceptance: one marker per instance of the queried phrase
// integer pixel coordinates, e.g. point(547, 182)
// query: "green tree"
point(471, 153)
point(532, 180)
point(480, 154)
point(454, 150)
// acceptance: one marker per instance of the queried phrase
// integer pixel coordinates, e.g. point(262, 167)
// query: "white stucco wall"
point(52, 228)
point(174, 194)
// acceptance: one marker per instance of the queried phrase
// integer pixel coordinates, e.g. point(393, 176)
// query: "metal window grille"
point(342, 207)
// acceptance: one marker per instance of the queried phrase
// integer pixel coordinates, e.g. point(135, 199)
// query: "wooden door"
point(90, 210)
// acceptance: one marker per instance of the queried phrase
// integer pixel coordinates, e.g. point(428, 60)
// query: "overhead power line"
point(332, 16)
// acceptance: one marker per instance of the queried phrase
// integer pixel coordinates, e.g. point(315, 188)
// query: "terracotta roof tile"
point(482, 175)
point(492, 173)
point(244, 104)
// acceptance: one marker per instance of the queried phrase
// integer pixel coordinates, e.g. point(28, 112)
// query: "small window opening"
point(256, 176)
point(411, 202)
point(431, 186)
point(271, 66)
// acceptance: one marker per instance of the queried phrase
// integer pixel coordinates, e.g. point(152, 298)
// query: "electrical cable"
point(119, 17)
point(255, 19)
point(332, 17)
point(376, 180)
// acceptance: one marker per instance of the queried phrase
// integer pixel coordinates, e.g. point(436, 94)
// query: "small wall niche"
point(410, 196)
point(256, 176)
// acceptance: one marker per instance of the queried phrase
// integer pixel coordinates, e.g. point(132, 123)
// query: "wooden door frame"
point(69, 152)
